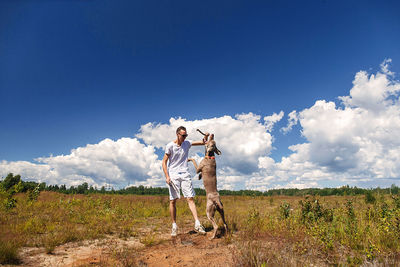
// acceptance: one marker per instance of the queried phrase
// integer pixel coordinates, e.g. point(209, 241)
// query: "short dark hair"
point(180, 128)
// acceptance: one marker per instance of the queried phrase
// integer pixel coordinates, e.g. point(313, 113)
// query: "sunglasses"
point(183, 135)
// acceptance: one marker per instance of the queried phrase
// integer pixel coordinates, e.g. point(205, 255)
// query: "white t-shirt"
point(178, 157)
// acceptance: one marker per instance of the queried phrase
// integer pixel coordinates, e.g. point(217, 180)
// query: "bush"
point(10, 203)
point(284, 210)
point(350, 211)
point(311, 210)
point(396, 202)
point(34, 194)
point(8, 188)
point(369, 197)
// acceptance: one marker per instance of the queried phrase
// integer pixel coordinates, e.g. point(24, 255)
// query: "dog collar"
point(207, 157)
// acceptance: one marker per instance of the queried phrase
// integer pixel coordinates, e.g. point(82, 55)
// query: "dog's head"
point(211, 147)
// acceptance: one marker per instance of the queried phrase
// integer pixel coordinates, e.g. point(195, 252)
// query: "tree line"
point(11, 180)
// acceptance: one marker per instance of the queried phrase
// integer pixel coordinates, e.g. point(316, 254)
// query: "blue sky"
point(74, 73)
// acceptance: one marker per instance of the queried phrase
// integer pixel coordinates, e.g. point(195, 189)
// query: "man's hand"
point(168, 180)
point(205, 138)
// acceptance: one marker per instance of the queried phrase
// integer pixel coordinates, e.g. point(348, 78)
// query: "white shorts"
point(182, 181)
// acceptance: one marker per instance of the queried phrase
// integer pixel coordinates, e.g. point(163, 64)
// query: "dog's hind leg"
point(210, 215)
point(220, 209)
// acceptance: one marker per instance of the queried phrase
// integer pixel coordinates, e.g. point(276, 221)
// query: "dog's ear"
point(211, 137)
point(217, 151)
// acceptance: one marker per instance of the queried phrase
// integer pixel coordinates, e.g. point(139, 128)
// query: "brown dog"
point(208, 171)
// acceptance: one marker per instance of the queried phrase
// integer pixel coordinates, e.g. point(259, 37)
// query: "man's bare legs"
point(172, 210)
point(197, 225)
point(192, 207)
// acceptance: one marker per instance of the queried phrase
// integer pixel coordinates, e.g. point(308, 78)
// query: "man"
point(178, 177)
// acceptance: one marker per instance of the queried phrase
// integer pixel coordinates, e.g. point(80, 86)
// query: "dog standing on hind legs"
point(207, 170)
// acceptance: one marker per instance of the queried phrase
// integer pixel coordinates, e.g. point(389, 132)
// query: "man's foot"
point(174, 231)
point(199, 229)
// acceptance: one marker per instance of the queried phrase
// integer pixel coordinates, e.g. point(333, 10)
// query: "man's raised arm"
point(202, 142)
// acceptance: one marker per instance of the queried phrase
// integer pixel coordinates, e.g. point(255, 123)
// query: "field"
point(127, 230)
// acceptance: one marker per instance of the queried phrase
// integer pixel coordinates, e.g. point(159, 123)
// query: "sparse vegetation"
point(264, 230)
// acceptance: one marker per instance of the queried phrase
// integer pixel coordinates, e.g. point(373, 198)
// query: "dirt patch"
point(78, 253)
point(187, 249)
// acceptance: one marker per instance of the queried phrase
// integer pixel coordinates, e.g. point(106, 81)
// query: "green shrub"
point(10, 203)
point(350, 210)
point(33, 194)
point(396, 202)
point(253, 217)
point(284, 210)
point(385, 211)
point(328, 215)
point(312, 210)
point(369, 197)
point(9, 187)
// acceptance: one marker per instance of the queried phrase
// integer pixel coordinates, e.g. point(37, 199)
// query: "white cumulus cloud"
point(356, 141)
point(292, 121)
point(117, 162)
point(271, 120)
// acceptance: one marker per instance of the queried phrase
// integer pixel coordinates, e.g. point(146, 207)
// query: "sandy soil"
point(187, 249)
point(77, 253)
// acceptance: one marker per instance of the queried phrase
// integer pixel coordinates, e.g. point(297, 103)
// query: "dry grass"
point(264, 230)
point(9, 253)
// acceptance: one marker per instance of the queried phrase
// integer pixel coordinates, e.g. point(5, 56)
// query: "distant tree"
point(141, 190)
point(42, 186)
point(394, 189)
point(83, 188)
point(91, 189)
point(63, 189)
point(103, 190)
point(29, 185)
point(72, 190)
point(10, 181)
